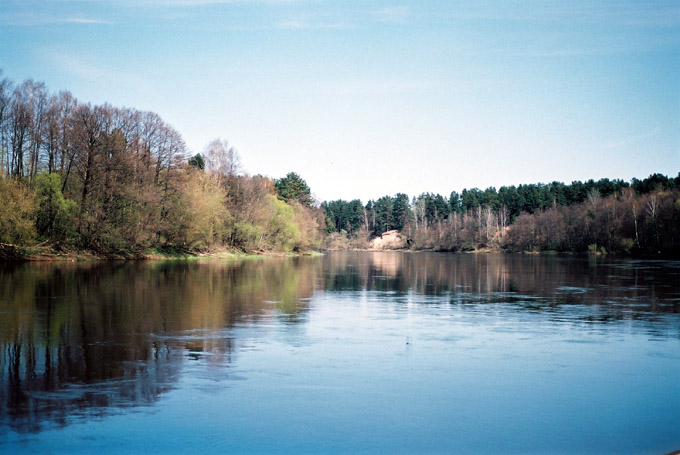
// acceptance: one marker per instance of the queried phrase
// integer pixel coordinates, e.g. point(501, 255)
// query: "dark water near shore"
point(346, 353)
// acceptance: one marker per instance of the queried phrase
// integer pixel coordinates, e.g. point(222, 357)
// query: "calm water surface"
point(347, 353)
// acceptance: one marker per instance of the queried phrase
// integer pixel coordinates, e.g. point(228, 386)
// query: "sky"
point(366, 98)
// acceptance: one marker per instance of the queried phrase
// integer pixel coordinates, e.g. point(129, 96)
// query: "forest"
point(118, 181)
point(604, 216)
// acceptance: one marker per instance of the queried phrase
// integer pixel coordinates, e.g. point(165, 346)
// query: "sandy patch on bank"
point(389, 240)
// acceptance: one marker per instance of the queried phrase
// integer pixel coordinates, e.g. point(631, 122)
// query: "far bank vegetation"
point(118, 181)
point(121, 181)
point(640, 217)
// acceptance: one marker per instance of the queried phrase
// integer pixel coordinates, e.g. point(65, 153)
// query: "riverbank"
point(665, 255)
point(43, 252)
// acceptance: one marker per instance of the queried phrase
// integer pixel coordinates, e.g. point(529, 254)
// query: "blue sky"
point(367, 98)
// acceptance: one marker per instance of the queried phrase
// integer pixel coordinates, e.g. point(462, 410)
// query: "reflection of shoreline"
point(490, 278)
point(45, 387)
point(84, 339)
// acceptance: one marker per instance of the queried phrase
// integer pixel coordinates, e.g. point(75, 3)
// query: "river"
point(351, 352)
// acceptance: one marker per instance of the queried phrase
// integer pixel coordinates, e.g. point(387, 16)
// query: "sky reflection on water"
point(349, 353)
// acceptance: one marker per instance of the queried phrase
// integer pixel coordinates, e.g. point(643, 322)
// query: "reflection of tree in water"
point(80, 339)
point(56, 383)
point(86, 339)
point(613, 290)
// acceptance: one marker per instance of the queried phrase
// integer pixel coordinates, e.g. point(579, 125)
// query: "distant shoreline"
point(45, 253)
point(42, 253)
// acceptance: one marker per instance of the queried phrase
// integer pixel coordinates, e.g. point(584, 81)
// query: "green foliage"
point(247, 236)
point(455, 203)
point(208, 220)
point(470, 199)
point(282, 231)
point(197, 161)
point(627, 245)
point(274, 225)
point(383, 215)
point(344, 216)
point(17, 212)
point(307, 220)
point(135, 189)
point(54, 212)
point(439, 208)
point(401, 211)
point(293, 188)
point(654, 182)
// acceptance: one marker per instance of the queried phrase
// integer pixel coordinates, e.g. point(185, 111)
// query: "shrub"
point(17, 212)
point(53, 210)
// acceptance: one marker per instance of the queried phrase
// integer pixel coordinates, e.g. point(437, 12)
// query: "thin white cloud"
point(76, 67)
point(93, 71)
point(185, 2)
point(197, 3)
point(367, 87)
point(632, 139)
point(31, 19)
point(650, 13)
point(560, 50)
point(82, 20)
point(306, 25)
point(293, 25)
point(393, 14)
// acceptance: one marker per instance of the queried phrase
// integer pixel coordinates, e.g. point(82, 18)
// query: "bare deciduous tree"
point(222, 160)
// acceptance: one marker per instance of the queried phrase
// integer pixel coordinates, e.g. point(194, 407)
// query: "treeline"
point(597, 216)
point(118, 180)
